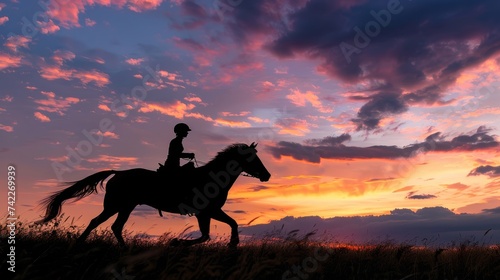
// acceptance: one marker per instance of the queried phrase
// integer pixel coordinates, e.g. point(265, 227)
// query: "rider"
point(175, 150)
point(175, 153)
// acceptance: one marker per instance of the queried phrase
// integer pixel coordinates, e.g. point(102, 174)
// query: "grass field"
point(49, 252)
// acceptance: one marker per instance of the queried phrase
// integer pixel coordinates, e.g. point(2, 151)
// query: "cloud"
point(89, 22)
point(410, 61)
point(135, 61)
point(54, 104)
point(56, 71)
point(6, 128)
point(67, 12)
point(258, 188)
point(412, 195)
point(48, 27)
point(491, 171)
point(7, 60)
point(332, 147)
point(3, 19)
point(438, 224)
point(41, 117)
point(456, 186)
point(301, 99)
point(177, 109)
point(292, 126)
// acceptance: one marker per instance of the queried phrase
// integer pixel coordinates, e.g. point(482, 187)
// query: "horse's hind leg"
point(101, 218)
point(120, 221)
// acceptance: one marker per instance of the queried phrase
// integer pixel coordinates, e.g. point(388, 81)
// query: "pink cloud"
point(89, 22)
point(54, 104)
point(3, 19)
point(55, 72)
point(48, 27)
point(7, 98)
point(134, 61)
point(60, 56)
point(7, 60)
point(17, 41)
point(67, 12)
point(108, 134)
point(115, 162)
point(6, 128)
point(41, 117)
point(99, 78)
point(166, 74)
point(143, 5)
point(193, 98)
point(301, 99)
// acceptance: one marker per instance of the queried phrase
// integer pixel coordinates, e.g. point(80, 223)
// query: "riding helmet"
point(181, 127)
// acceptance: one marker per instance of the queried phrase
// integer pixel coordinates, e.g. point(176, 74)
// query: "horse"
point(207, 191)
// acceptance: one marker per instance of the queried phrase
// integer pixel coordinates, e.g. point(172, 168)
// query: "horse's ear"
point(253, 145)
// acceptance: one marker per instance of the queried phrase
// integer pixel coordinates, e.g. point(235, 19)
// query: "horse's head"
point(251, 163)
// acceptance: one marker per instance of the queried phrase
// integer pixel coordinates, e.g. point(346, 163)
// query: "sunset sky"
point(360, 108)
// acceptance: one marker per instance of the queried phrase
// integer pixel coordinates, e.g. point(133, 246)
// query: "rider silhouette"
point(172, 164)
point(175, 149)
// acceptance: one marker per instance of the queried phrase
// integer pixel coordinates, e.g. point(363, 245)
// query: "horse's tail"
point(77, 190)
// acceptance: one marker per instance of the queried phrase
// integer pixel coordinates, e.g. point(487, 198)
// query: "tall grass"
point(50, 252)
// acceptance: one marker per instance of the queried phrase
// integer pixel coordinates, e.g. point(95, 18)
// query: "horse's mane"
point(227, 151)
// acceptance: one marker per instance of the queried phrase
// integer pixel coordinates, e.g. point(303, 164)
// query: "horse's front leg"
point(204, 224)
point(221, 216)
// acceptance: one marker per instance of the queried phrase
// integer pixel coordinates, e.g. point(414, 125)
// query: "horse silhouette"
point(201, 192)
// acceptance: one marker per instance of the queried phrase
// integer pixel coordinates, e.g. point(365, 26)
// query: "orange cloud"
point(7, 61)
point(293, 126)
point(301, 99)
point(41, 117)
point(104, 107)
point(108, 134)
point(177, 110)
point(258, 120)
point(229, 123)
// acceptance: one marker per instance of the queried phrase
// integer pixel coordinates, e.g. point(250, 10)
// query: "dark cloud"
point(412, 195)
point(329, 140)
point(492, 211)
point(438, 224)
point(411, 57)
point(435, 142)
point(258, 188)
point(492, 171)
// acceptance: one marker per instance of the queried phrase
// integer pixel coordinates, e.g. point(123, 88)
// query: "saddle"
point(177, 174)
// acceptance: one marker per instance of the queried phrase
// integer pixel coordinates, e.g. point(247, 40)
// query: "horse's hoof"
point(176, 242)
